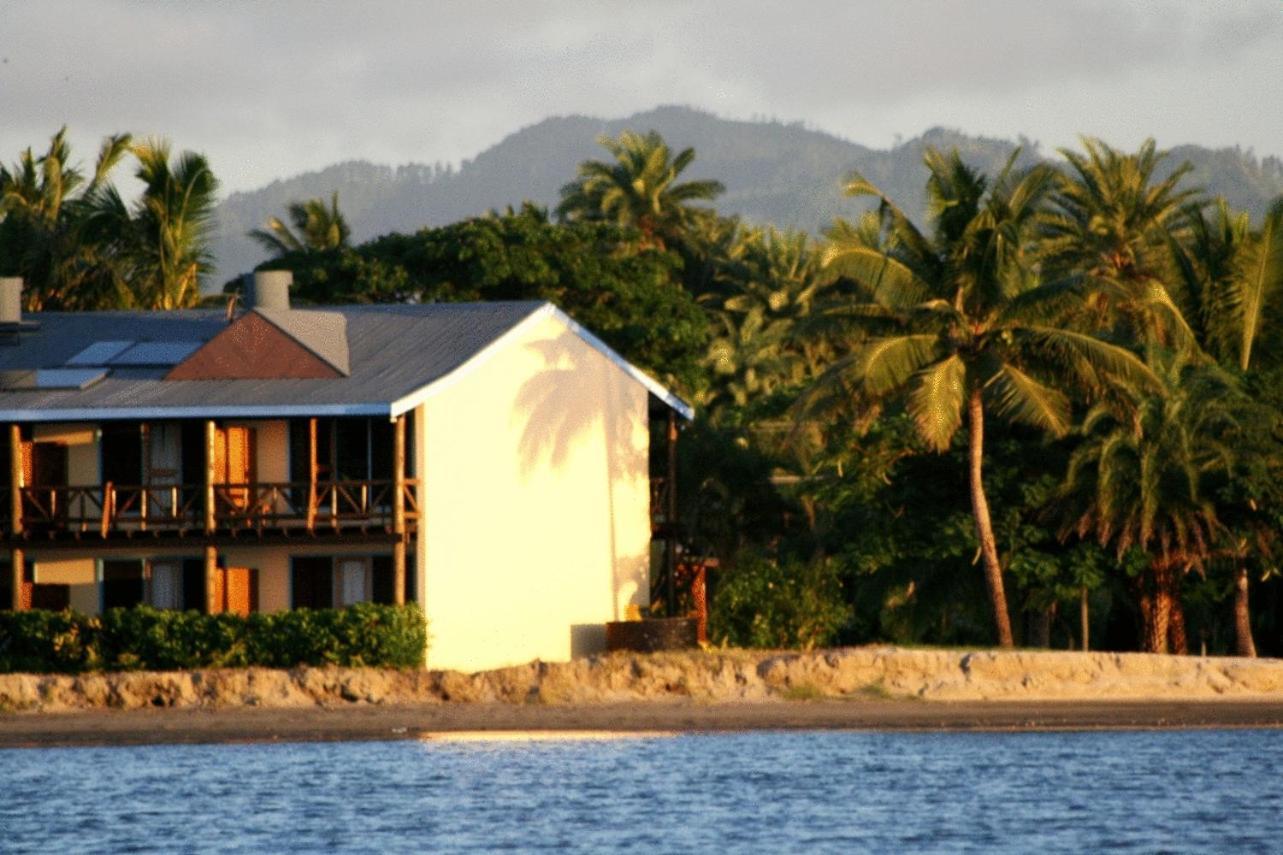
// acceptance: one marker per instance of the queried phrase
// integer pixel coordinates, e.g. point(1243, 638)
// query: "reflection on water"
point(827, 791)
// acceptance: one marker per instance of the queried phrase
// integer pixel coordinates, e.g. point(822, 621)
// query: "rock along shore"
point(714, 677)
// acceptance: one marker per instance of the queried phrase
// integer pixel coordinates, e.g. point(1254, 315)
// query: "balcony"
point(308, 508)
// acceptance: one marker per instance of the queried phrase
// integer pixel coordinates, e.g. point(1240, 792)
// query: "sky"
point(269, 90)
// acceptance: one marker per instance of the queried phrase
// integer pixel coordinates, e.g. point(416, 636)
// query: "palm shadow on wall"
point(576, 397)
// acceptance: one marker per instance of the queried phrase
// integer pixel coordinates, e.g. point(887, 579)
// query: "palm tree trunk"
point(1158, 605)
point(1177, 637)
point(984, 526)
point(1243, 615)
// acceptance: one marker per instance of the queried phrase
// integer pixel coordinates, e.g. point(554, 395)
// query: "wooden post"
point(17, 576)
point(311, 475)
point(212, 604)
point(210, 439)
point(670, 514)
point(15, 480)
point(398, 509)
point(145, 440)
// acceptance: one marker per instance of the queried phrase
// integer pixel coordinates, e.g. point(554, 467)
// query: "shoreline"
point(484, 721)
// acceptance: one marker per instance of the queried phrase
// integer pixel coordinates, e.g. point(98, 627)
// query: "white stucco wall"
point(536, 523)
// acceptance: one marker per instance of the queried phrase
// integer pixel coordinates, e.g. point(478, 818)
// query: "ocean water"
point(827, 791)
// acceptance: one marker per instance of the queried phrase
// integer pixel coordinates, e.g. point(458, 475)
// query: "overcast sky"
point(268, 90)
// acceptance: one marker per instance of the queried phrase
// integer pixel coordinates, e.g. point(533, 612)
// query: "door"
point(164, 463)
point(240, 588)
point(44, 467)
point(234, 464)
point(236, 590)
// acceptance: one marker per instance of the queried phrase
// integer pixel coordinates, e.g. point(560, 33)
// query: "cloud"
point(268, 90)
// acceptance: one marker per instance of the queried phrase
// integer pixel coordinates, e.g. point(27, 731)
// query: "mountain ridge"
point(786, 174)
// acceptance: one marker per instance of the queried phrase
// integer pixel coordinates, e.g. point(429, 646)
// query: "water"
point(765, 791)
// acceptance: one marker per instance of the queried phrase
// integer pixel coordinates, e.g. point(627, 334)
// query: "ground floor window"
point(178, 584)
point(322, 582)
point(122, 583)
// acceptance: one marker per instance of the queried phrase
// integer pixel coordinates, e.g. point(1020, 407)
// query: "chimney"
point(267, 289)
point(11, 300)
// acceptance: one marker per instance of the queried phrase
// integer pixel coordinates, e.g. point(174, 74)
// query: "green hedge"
point(147, 639)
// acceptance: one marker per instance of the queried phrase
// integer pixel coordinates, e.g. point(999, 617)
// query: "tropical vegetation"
point(1048, 413)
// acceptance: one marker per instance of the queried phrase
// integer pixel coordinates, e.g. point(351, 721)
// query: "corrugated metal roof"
point(393, 353)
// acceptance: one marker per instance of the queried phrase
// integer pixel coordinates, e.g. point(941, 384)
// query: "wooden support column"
point(15, 480)
point(398, 510)
point(210, 440)
point(17, 578)
point(670, 514)
point(17, 564)
point(311, 474)
point(213, 602)
point(145, 441)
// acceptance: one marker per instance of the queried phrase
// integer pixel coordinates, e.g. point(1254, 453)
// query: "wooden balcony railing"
point(124, 509)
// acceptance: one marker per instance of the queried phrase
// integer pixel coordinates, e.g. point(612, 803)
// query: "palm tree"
point(639, 189)
point(164, 240)
point(44, 206)
point(1111, 225)
point(316, 228)
point(958, 323)
point(1229, 277)
point(1143, 478)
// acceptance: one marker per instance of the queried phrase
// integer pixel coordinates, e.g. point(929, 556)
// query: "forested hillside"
point(785, 174)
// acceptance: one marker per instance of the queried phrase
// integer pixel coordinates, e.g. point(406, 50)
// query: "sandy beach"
point(499, 720)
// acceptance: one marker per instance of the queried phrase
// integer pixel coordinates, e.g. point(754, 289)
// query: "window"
point(352, 581)
point(122, 583)
point(322, 582)
point(312, 582)
point(167, 584)
point(122, 453)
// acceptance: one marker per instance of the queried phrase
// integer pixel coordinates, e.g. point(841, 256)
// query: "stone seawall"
point(734, 675)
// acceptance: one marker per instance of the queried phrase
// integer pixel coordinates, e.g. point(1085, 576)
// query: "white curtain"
point(166, 461)
point(353, 581)
point(167, 586)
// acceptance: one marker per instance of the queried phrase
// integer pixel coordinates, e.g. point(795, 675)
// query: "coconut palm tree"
point(317, 227)
point(1229, 278)
point(958, 323)
point(1110, 225)
point(1144, 477)
point(44, 205)
point(639, 189)
point(163, 241)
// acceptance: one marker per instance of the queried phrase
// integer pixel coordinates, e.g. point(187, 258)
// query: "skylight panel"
point(68, 378)
point(155, 353)
point(99, 353)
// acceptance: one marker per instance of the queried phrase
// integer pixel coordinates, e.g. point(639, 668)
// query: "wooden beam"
point(15, 479)
point(213, 602)
point(210, 440)
point(398, 509)
point(18, 577)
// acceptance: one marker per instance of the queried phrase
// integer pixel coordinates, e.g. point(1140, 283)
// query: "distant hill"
point(778, 173)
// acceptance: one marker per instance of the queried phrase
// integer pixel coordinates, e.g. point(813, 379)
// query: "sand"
point(641, 718)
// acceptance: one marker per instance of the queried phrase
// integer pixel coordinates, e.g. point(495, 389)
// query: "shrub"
point(761, 602)
point(144, 638)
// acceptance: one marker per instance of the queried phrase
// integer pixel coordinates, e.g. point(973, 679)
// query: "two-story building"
point(489, 461)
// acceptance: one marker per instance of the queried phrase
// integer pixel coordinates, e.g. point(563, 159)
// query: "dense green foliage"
point(598, 272)
point(79, 245)
point(143, 638)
